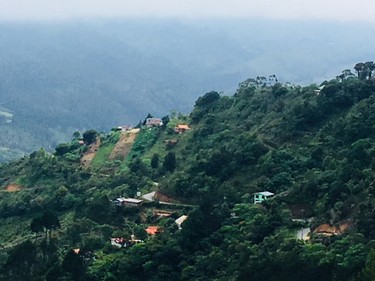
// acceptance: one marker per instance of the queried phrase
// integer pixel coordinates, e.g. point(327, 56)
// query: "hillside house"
point(119, 242)
point(127, 202)
point(123, 128)
point(259, 197)
point(170, 142)
point(153, 122)
point(76, 251)
point(317, 91)
point(162, 213)
point(152, 230)
point(180, 220)
point(179, 129)
point(331, 230)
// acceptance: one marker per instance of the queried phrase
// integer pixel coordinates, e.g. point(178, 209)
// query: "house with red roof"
point(152, 230)
point(182, 128)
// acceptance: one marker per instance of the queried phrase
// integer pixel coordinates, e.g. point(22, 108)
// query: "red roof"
point(152, 230)
point(183, 127)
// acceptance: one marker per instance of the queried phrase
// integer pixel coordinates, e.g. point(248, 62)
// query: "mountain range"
point(59, 77)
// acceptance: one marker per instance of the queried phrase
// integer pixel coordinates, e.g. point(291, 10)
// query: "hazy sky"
point(343, 10)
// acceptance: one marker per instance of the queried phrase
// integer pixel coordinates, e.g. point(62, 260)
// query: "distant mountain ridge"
point(56, 78)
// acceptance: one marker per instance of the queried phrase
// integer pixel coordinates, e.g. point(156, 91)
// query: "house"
point(133, 240)
point(123, 128)
point(119, 242)
point(153, 122)
point(152, 230)
point(118, 201)
point(327, 230)
point(170, 142)
point(181, 128)
point(180, 220)
point(304, 234)
point(331, 230)
point(162, 213)
point(259, 197)
point(317, 91)
point(132, 202)
point(127, 202)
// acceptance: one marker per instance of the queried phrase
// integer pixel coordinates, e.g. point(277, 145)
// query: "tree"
point(369, 271)
point(359, 67)
point(341, 77)
point(37, 225)
point(370, 67)
point(155, 161)
point(74, 264)
point(165, 120)
point(89, 136)
point(208, 98)
point(147, 117)
point(140, 233)
point(49, 221)
point(62, 149)
point(76, 135)
point(169, 163)
point(347, 74)
point(21, 262)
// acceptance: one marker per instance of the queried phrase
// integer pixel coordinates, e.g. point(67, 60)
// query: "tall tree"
point(370, 68)
point(37, 225)
point(169, 163)
point(50, 222)
point(89, 136)
point(155, 161)
point(359, 68)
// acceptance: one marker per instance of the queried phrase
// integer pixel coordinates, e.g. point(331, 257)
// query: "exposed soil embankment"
point(90, 154)
point(13, 187)
point(124, 145)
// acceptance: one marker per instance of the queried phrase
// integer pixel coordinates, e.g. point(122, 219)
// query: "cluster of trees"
point(365, 69)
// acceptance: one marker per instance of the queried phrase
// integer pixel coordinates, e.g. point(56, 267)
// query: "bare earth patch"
point(124, 145)
point(13, 188)
point(164, 198)
point(90, 154)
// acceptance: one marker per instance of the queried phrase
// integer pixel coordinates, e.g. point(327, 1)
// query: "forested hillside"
point(86, 212)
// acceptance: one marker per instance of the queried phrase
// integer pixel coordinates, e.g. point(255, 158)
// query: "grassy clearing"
point(102, 155)
point(146, 139)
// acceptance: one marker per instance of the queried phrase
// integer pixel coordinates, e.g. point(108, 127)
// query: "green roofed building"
point(259, 197)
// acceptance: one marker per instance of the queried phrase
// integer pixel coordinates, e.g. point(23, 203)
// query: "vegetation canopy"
point(175, 200)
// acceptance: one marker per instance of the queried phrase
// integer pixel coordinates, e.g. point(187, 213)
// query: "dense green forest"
point(312, 146)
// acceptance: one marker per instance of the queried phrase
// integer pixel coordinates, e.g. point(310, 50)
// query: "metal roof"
point(265, 193)
point(181, 219)
point(132, 200)
point(129, 200)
